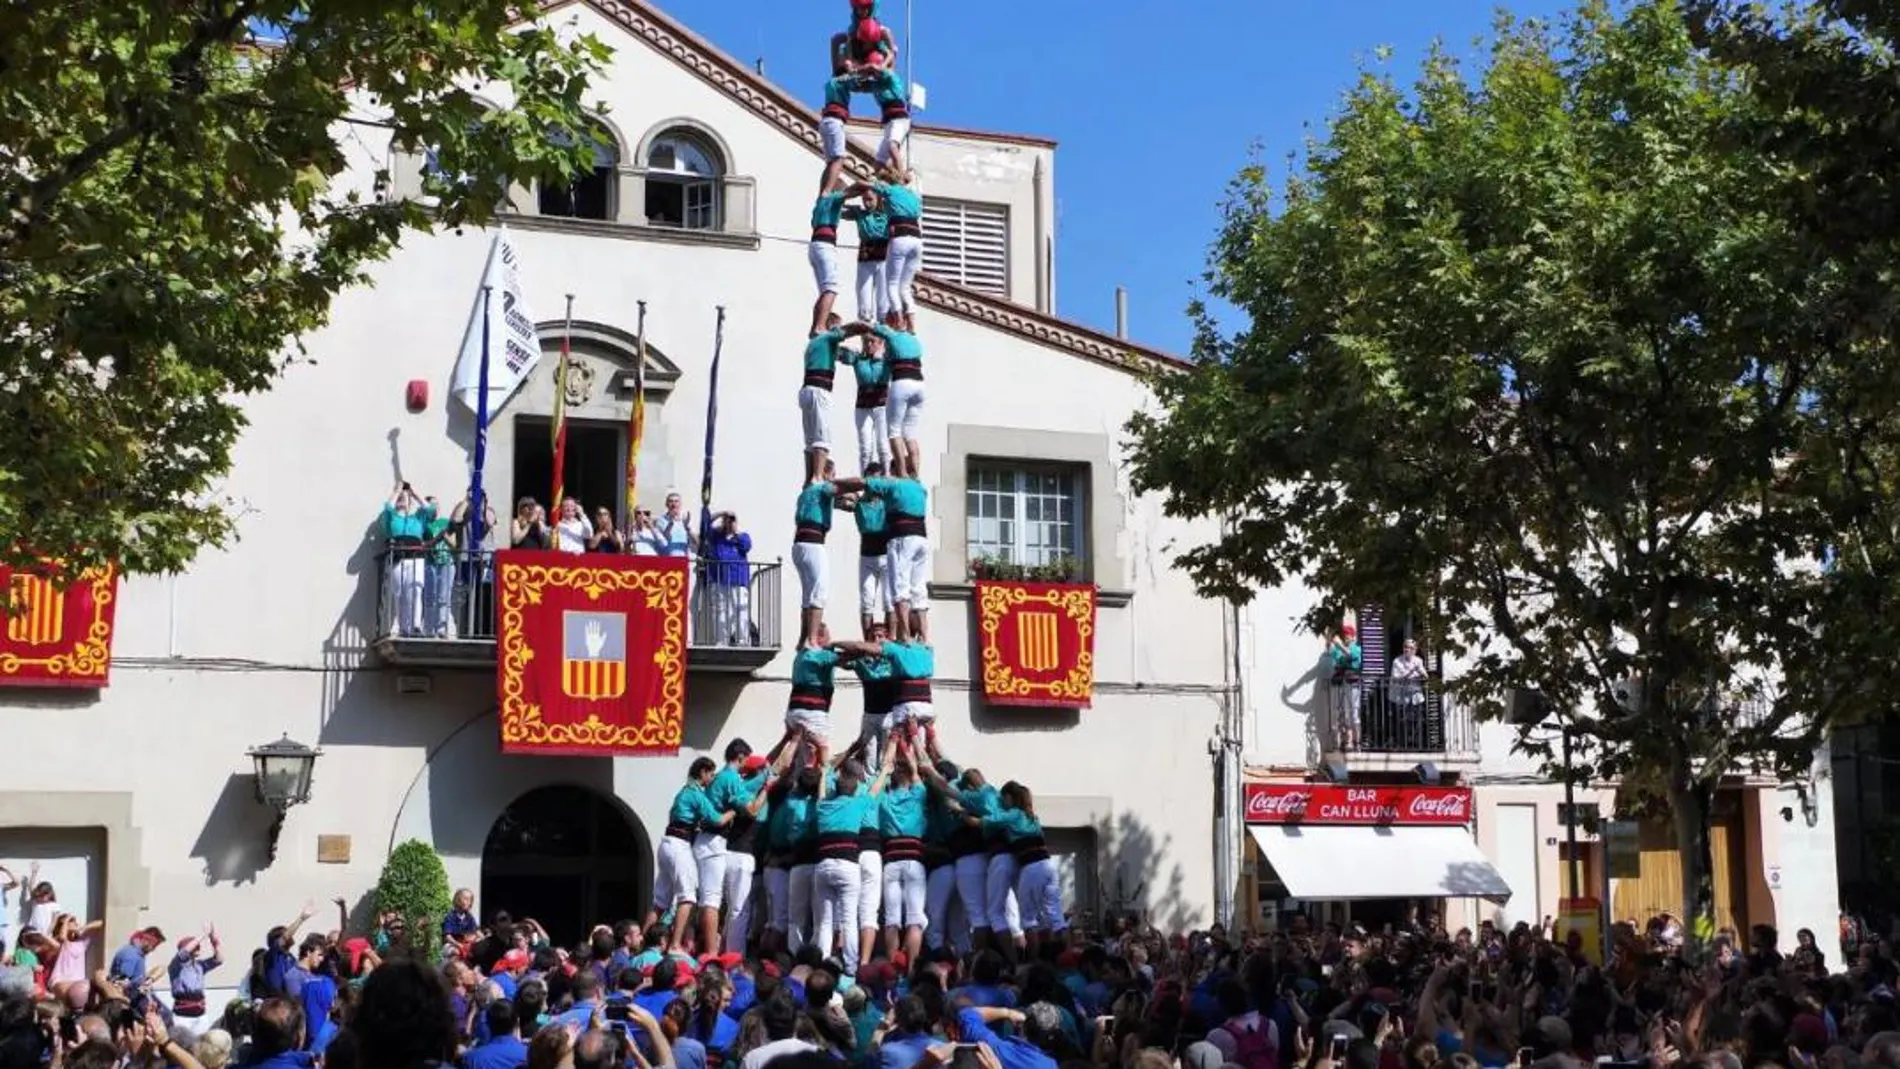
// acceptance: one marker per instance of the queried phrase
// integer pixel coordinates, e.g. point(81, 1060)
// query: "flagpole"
point(712, 411)
point(638, 421)
point(560, 413)
point(477, 503)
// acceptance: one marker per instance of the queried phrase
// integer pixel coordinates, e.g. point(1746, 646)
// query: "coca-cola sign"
point(1331, 803)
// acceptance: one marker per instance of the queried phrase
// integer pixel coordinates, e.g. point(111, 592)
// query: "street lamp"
point(281, 774)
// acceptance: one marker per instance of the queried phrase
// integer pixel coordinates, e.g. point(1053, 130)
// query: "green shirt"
point(435, 535)
point(821, 353)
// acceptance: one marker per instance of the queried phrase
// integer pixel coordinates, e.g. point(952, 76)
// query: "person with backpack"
point(1246, 1037)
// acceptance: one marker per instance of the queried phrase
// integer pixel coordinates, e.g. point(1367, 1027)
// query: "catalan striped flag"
point(637, 423)
point(36, 611)
point(593, 655)
point(560, 415)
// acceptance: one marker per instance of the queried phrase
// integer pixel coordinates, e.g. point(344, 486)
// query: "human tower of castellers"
point(884, 828)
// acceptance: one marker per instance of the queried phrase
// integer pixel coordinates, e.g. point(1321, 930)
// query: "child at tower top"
point(864, 43)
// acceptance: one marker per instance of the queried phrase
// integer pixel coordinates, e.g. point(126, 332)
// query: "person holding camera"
point(405, 519)
point(729, 578)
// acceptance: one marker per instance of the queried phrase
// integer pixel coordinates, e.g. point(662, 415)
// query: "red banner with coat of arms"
point(592, 653)
point(1037, 643)
point(56, 634)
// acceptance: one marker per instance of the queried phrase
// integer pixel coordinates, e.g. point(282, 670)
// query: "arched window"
point(591, 195)
point(684, 172)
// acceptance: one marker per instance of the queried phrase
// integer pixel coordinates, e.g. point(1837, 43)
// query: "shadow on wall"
point(345, 651)
point(710, 699)
point(234, 844)
point(1314, 708)
point(1136, 874)
point(1468, 880)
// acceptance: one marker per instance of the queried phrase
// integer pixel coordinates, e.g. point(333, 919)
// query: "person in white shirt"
point(573, 532)
point(647, 539)
point(8, 881)
point(1408, 695)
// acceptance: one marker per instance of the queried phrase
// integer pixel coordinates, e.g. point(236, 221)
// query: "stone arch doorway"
point(569, 857)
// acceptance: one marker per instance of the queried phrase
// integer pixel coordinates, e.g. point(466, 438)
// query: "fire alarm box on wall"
point(417, 395)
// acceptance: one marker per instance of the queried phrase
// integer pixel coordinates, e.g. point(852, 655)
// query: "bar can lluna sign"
point(1331, 803)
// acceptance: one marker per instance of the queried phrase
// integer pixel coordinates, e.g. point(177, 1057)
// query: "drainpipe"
point(1227, 775)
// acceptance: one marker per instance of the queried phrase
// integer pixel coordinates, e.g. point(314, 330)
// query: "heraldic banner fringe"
point(592, 653)
point(56, 634)
point(1037, 642)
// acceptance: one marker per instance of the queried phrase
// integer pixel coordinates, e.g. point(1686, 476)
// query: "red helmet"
point(867, 33)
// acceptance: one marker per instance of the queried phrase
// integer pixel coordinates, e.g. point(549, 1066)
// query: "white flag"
point(514, 347)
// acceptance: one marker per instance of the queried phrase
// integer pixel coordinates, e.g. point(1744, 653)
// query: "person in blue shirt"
point(405, 517)
point(808, 716)
point(460, 929)
point(503, 1049)
point(874, 540)
point(874, 245)
point(902, 824)
point(906, 256)
point(971, 1024)
point(811, 524)
point(827, 213)
point(728, 573)
point(843, 798)
point(906, 504)
point(676, 880)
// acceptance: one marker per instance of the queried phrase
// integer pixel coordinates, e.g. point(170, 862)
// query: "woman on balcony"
point(606, 537)
point(529, 529)
point(405, 519)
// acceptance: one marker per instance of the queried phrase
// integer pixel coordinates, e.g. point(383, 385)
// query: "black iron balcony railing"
point(1382, 715)
point(439, 609)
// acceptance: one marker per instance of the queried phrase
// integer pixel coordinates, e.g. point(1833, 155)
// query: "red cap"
point(900, 961)
point(354, 949)
point(752, 764)
point(728, 960)
point(770, 968)
point(515, 959)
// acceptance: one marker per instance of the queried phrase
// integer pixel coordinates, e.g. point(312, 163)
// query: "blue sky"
point(1147, 143)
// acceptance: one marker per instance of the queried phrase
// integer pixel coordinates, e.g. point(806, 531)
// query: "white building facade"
point(1773, 844)
point(145, 812)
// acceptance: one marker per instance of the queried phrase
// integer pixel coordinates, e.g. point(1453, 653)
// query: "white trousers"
point(406, 576)
point(910, 571)
point(904, 411)
point(709, 858)
point(1039, 892)
point(740, 866)
point(838, 884)
point(973, 888)
point(778, 903)
point(940, 887)
point(823, 257)
point(906, 896)
point(798, 906)
point(874, 301)
point(814, 587)
point(814, 410)
point(870, 887)
point(732, 612)
point(874, 437)
point(872, 735)
point(874, 586)
point(1001, 885)
point(895, 133)
point(905, 259)
point(676, 878)
point(831, 136)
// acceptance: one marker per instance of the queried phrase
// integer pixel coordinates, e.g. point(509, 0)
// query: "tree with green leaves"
point(415, 886)
point(1534, 355)
point(173, 223)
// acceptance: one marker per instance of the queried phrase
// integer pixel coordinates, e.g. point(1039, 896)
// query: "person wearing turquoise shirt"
point(735, 795)
point(906, 503)
point(874, 568)
point(865, 45)
point(676, 879)
point(893, 106)
point(912, 666)
point(874, 245)
point(822, 251)
point(906, 256)
point(811, 524)
point(903, 824)
point(824, 351)
point(963, 795)
point(406, 518)
point(984, 808)
point(1029, 872)
point(1347, 659)
point(832, 119)
point(808, 714)
point(801, 843)
point(941, 828)
point(873, 373)
point(843, 799)
point(904, 404)
point(777, 841)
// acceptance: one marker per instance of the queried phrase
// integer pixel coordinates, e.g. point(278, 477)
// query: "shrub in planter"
point(415, 884)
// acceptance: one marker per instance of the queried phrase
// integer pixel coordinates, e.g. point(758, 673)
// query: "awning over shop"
point(1334, 862)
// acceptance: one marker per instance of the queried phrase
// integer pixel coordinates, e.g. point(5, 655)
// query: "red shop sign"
point(1330, 803)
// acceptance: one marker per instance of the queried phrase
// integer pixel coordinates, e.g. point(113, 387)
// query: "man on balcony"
point(728, 578)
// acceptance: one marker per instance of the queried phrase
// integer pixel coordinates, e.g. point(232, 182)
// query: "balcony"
point(730, 628)
point(1400, 724)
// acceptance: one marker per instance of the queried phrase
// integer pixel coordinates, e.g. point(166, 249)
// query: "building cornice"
point(800, 123)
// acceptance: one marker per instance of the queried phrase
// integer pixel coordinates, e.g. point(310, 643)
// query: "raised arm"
point(290, 930)
point(884, 767)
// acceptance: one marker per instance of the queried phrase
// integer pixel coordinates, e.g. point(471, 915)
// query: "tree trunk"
point(1690, 801)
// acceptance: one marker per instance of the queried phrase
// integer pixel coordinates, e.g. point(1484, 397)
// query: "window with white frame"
point(1024, 513)
point(683, 182)
point(967, 242)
